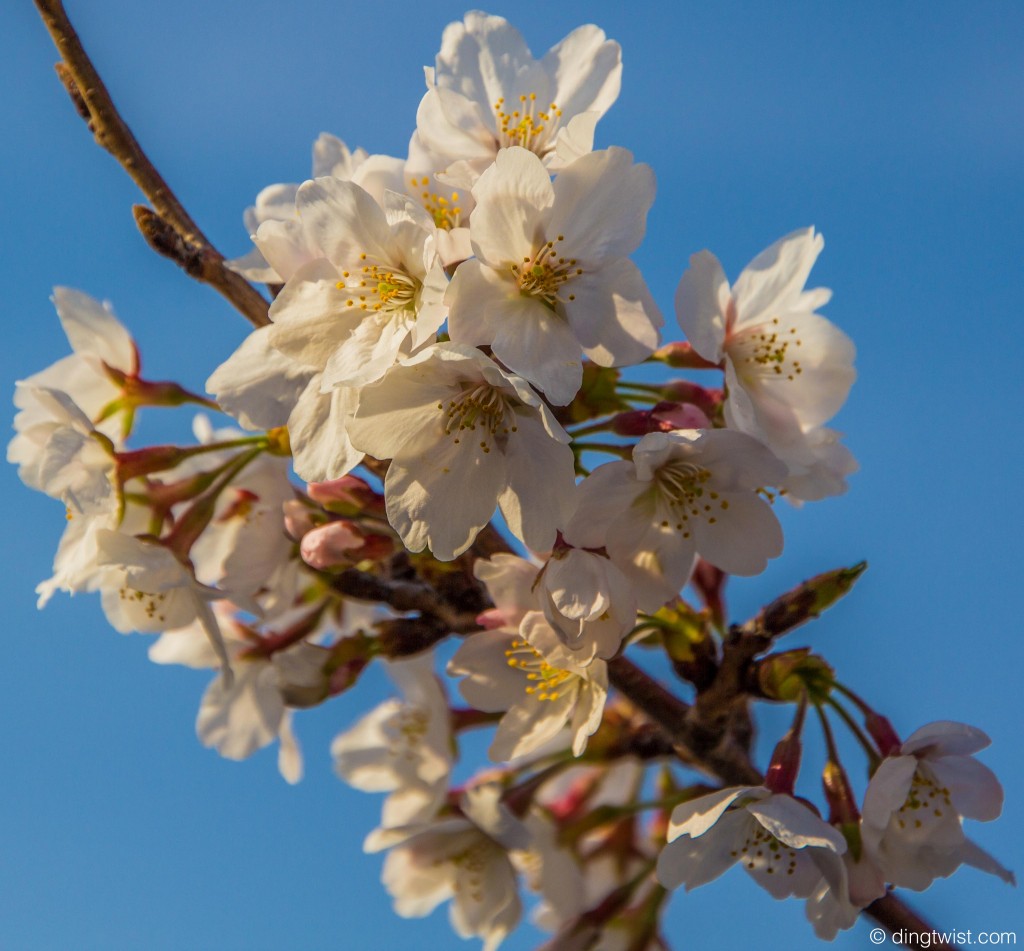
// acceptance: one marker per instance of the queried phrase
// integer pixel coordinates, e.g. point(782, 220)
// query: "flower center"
point(379, 288)
point(445, 211)
point(526, 126)
point(482, 408)
point(151, 603)
point(544, 680)
point(762, 852)
point(543, 275)
point(407, 729)
point(683, 485)
point(766, 350)
point(925, 802)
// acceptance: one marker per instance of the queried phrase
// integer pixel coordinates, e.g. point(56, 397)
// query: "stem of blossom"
point(601, 426)
point(272, 643)
point(152, 459)
point(193, 521)
point(518, 798)
point(649, 918)
point(865, 743)
point(879, 727)
point(467, 718)
point(92, 101)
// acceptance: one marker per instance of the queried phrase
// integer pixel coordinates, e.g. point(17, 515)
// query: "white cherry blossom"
point(464, 436)
point(402, 747)
point(487, 92)
point(552, 277)
point(788, 370)
point(587, 600)
point(686, 493)
point(916, 800)
point(150, 590)
point(262, 388)
point(528, 672)
point(780, 842)
point(98, 339)
point(462, 857)
point(239, 717)
point(333, 158)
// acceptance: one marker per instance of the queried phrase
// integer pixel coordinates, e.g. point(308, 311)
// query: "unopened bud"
point(787, 676)
point(710, 584)
point(348, 495)
point(662, 418)
point(340, 544)
point(882, 732)
point(682, 356)
point(785, 765)
point(704, 398)
point(298, 519)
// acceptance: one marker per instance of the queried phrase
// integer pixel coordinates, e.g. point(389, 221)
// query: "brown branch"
point(92, 101)
point(893, 915)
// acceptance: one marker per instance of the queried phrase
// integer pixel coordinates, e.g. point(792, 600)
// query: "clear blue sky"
point(896, 129)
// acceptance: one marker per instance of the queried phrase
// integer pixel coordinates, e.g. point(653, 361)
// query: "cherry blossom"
point(529, 673)
point(779, 841)
point(686, 493)
point(402, 747)
point(916, 800)
point(463, 857)
point(464, 436)
point(551, 277)
point(487, 92)
point(240, 716)
point(80, 380)
point(333, 158)
point(788, 370)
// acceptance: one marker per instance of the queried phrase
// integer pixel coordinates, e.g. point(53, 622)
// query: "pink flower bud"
point(332, 545)
point(297, 519)
point(347, 495)
point(682, 356)
point(662, 418)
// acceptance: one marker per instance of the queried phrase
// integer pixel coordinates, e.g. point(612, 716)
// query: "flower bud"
point(334, 545)
point(298, 519)
point(662, 418)
point(348, 495)
point(682, 356)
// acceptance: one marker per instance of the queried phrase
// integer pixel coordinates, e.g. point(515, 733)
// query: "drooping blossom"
point(239, 716)
point(780, 842)
point(403, 747)
point(460, 856)
point(917, 799)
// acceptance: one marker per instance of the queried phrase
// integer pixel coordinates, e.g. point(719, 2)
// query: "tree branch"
point(92, 101)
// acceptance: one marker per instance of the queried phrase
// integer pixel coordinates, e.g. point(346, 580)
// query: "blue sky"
point(894, 128)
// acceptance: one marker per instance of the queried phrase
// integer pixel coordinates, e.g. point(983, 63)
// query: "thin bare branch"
point(92, 101)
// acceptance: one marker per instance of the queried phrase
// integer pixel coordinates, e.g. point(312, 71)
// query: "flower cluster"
point(448, 344)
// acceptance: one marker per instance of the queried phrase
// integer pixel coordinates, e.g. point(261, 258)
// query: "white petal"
point(91, 327)
point(702, 302)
